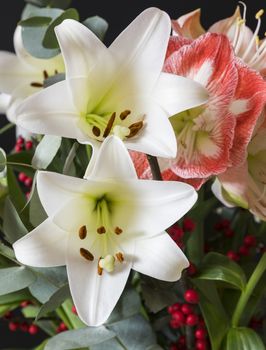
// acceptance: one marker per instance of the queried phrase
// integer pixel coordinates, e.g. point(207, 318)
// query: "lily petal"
point(113, 161)
point(176, 93)
point(144, 44)
point(56, 117)
point(94, 296)
point(160, 258)
point(45, 246)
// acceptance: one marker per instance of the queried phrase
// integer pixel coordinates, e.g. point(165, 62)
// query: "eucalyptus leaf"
point(97, 25)
point(13, 227)
point(37, 213)
point(37, 21)
point(54, 79)
point(33, 36)
point(15, 278)
point(55, 301)
point(110, 344)
point(134, 333)
point(24, 157)
point(15, 297)
point(219, 267)
point(16, 195)
point(30, 311)
point(243, 339)
point(48, 281)
point(50, 40)
point(46, 151)
point(79, 338)
point(2, 161)
point(51, 3)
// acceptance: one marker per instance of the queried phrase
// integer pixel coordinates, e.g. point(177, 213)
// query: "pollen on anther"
point(124, 114)
point(118, 230)
point(83, 232)
point(45, 74)
point(86, 254)
point(109, 125)
point(99, 268)
point(259, 14)
point(120, 257)
point(96, 131)
point(101, 230)
point(35, 84)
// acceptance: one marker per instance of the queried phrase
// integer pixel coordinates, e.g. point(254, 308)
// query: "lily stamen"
point(86, 254)
point(120, 257)
point(124, 114)
point(135, 128)
point(101, 230)
point(45, 75)
point(118, 230)
point(109, 125)
point(96, 131)
point(36, 84)
point(83, 232)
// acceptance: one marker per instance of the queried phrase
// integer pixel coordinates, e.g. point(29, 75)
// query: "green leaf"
point(15, 297)
point(243, 339)
point(37, 213)
point(6, 251)
point(30, 311)
point(213, 312)
point(134, 333)
point(110, 344)
point(37, 21)
point(97, 25)
point(17, 197)
point(13, 227)
point(46, 151)
point(2, 161)
point(48, 281)
point(24, 157)
point(50, 40)
point(51, 3)
point(54, 302)
point(53, 79)
point(79, 338)
point(15, 278)
point(217, 267)
point(33, 36)
point(128, 305)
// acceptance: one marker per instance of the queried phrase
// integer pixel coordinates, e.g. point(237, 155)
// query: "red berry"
point(228, 232)
point(173, 308)
point(33, 329)
point(200, 333)
point(187, 309)
point(28, 182)
point(221, 225)
point(244, 250)
point(13, 326)
point(182, 340)
point(176, 232)
point(191, 296)
point(62, 327)
point(179, 316)
point(232, 255)
point(201, 344)
point(18, 148)
point(188, 225)
point(28, 145)
point(74, 310)
point(25, 303)
point(22, 177)
point(20, 141)
point(250, 241)
point(24, 327)
point(192, 270)
point(192, 320)
point(175, 324)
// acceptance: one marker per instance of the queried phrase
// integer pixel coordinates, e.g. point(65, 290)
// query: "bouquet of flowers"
point(133, 204)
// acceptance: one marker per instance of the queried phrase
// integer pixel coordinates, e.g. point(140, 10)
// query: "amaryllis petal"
point(175, 43)
point(153, 261)
point(189, 25)
point(45, 246)
point(246, 106)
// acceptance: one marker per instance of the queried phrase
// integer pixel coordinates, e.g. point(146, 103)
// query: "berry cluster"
point(22, 144)
point(15, 324)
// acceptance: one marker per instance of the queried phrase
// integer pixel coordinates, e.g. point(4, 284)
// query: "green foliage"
point(97, 25)
point(50, 3)
point(15, 278)
point(242, 339)
point(46, 151)
point(2, 161)
point(217, 267)
point(37, 213)
point(50, 40)
point(37, 21)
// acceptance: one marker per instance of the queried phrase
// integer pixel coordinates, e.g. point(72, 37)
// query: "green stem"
point(6, 128)
point(254, 279)
point(19, 164)
point(61, 313)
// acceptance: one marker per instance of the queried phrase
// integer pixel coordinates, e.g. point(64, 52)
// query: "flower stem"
point(6, 128)
point(155, 169)
point(254, 279)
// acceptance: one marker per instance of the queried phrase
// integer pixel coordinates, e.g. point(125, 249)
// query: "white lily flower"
point(103, 226)
point(120, 90)
point(22, 75)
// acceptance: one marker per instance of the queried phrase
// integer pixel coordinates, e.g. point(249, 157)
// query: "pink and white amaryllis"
point(245, 186)
point(120, 90)
point(212, 137)
point(102, 226)
point(245, 42)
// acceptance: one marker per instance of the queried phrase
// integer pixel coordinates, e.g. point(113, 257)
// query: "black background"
point(118, 15)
